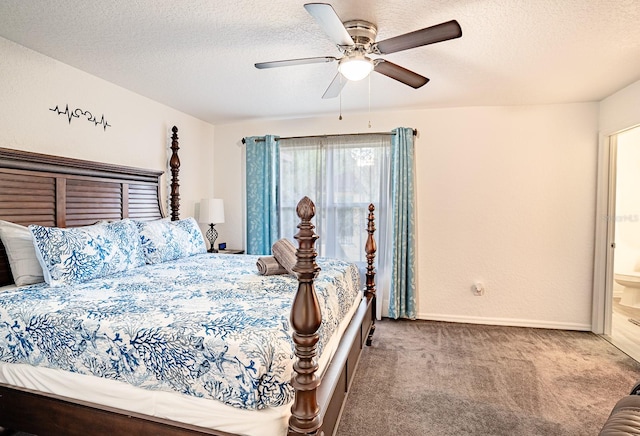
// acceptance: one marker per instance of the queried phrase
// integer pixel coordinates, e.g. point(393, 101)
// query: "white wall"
point(505, 195)
point(621, 110)
point(31, 84)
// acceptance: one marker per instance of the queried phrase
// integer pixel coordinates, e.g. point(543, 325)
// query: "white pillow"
point(18, 241)
point(79, 254)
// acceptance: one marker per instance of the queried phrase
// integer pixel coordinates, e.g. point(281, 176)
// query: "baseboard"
point(505, 321)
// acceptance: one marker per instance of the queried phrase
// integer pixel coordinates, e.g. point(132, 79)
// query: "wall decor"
point(77, 113)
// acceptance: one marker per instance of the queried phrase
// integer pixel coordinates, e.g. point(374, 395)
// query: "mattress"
point(158, 294)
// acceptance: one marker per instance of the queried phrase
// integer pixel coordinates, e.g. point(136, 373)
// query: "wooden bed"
point(63, 192)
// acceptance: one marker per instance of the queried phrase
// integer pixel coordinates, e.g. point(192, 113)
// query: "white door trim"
point(604, 236)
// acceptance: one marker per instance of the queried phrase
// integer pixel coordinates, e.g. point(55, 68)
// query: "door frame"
point(604, 247)
point(605, 235)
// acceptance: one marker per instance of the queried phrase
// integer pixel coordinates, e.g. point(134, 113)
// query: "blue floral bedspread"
point(206, 325)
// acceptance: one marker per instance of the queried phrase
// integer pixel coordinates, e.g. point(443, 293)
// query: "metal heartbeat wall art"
point(77, 113)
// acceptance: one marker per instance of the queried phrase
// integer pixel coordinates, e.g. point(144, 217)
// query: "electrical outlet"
point(478, 289)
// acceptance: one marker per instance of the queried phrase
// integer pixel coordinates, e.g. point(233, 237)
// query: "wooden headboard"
point(56, 191)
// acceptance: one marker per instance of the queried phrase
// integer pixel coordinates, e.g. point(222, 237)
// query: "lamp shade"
point(355, 67)
point(211, 211)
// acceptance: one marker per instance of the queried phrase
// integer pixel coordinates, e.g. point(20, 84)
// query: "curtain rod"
point(415, 133)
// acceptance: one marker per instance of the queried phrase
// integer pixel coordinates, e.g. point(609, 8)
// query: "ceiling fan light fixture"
point(355, 67)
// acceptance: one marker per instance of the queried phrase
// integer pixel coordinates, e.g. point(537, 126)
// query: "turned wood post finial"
point(305, 320)
point(370, 291)
point(370, 248)
point(174, 164)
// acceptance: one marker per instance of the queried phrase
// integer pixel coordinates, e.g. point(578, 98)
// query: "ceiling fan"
point(356, 40)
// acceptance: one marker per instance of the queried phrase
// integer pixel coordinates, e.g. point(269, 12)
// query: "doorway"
point(624, 305)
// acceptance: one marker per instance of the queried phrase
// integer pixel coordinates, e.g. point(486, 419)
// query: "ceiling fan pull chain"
point(369, 100)
point(340, 95)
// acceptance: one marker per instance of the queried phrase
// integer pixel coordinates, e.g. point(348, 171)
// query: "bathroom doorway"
point(625, 304)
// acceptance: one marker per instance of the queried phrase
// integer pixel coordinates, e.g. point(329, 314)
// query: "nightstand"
point(230, 251)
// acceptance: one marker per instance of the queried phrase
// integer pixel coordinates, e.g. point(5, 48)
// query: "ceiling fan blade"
point(399, 73)
point(290, 62)
point(335, 87)
point(326, 17)
point(429, 35)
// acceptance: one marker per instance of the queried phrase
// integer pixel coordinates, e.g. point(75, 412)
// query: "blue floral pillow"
point(76, 255)
point(164, 240)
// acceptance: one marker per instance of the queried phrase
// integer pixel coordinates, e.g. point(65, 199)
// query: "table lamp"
point(211, 213)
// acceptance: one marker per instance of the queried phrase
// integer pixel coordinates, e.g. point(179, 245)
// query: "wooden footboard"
point(338, 377)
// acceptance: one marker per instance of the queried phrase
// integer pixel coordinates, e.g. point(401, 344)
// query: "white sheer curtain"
point(342, 175)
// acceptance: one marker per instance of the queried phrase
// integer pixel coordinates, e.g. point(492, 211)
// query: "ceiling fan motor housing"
point(362, 32)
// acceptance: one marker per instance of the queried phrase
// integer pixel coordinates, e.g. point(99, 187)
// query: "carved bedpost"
point(174, 163)
point(305, 319)
point(370, 291)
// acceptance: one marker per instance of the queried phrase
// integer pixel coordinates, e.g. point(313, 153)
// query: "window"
point(342, 175)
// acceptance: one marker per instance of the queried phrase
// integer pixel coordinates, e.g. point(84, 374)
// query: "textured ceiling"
point(197, 55)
